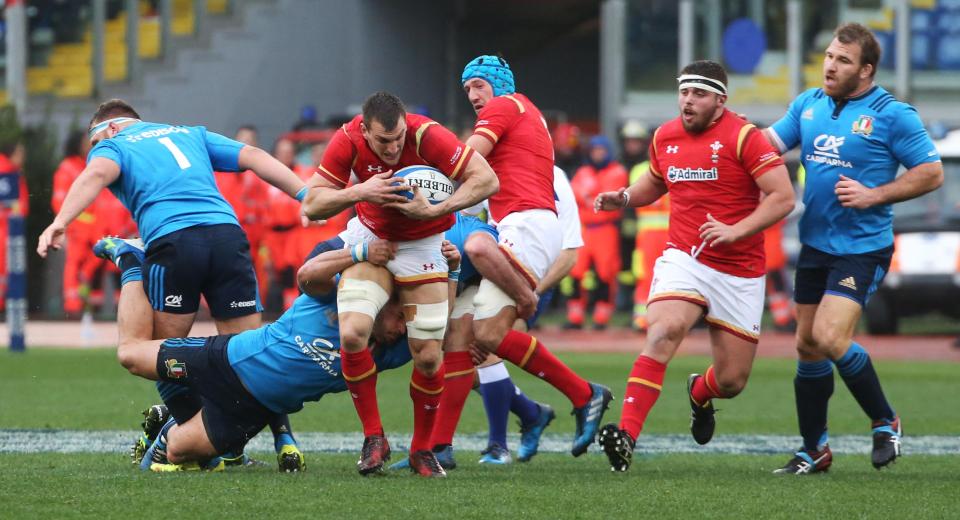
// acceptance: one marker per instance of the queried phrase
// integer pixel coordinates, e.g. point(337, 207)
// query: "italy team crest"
point(863, 125)
point(176, 369)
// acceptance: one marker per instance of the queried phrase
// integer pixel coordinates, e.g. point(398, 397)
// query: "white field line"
point(119, 441)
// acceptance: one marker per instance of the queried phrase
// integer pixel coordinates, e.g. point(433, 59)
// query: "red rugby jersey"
point(522, 155)
point(426, 142)
point(714, 172)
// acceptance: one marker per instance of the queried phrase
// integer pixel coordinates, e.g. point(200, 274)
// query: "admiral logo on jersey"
point(675, 174)
point(827, 151)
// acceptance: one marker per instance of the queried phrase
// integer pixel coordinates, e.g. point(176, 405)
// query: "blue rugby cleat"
point(495, 455)
point(112, 248)
point(588, 418)
point(530, 434)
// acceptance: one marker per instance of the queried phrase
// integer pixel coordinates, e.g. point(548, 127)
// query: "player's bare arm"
point(480, 144)
point(777, 203)
point(559, 269)
point(479, 183)
point(645, 191)
point(316, 277)
point(913, 183)
point(99, 174)
point(452, 254)
point(325, 200)
point(269, 169)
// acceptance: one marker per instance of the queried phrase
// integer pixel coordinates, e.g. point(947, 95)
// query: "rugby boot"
point(374, 454)
point(290, 459)
point(702, 422)
point(588, 418)
point(112, 248)
point(425, 464)
point(886, 442)
point(495, 455)
point(530, 434)
point(807, 462)
point(153, 420)
point(618, 445)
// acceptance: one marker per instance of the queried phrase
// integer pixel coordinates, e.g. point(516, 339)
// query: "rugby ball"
point(434, 185)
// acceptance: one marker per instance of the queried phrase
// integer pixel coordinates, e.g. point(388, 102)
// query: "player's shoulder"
point(810, 96)
point(886, 105)
point(669, 130)
point(416, 122)
point(511, 104)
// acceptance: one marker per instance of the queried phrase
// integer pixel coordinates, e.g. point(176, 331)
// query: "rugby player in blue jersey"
point(163, 174)
point(245, 380)
point(854, 136)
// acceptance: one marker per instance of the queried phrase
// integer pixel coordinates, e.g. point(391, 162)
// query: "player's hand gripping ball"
point(434, 185)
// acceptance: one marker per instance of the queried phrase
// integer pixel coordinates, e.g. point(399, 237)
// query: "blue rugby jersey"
point(166, 175)
point(297, 358)
point(866, 139)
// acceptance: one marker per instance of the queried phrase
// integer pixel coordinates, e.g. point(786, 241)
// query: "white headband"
point(101, 126)
point(702, 83)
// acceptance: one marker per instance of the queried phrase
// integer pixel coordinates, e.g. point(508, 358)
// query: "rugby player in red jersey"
point(385, 138)
point(512, 134)
point(726, 184)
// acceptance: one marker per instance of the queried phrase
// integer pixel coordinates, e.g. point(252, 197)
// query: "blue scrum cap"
point(492, 69)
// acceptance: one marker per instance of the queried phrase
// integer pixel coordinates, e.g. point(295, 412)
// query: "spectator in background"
point(315, 232)
point(283, 227)
point(82, 271)
point(601, 236)
point(651, 225)
point(635, 139)
point(778, 288)
point(308, 120)
point(566, 147)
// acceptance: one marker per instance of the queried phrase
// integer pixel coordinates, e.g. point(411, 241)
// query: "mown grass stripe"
point(119, 441)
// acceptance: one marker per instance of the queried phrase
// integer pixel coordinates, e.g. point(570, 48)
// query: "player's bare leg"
point(724, 379)
point(362, 291)
point(669, 323)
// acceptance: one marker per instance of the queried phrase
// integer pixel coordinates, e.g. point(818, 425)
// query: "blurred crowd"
point(612, 272)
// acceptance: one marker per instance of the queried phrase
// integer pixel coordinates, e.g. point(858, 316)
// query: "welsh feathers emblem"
point(863, 125)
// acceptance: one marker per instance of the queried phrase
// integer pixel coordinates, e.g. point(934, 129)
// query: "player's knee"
point(427, 321)
point(127, 355)
point(732, 384)
point(478, 246)
point(428, 361)
point(487, 335)
point(353, 339)
point(663, 336)
point(827, 339)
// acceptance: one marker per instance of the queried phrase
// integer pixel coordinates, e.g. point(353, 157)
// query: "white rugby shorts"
point(417, 261)
point(734, 304)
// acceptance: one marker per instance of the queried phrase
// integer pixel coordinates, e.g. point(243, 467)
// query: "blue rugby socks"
point(860, 377)
point(813, 387)
point(496, 388)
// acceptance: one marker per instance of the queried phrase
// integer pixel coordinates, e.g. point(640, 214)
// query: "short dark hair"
point(74, 143)
point(112, 108)
point(384, 108)
point(869, 47)
point(707, 69)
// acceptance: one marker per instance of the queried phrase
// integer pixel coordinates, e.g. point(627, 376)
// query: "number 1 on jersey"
point(177, 154)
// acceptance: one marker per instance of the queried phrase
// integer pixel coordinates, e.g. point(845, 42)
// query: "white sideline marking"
point(119, 441)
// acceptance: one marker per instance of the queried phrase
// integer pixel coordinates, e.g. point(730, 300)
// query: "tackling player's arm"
point(317, 276)
point(452, 254)
point(559, 269)
point(98, 174)
point(270, 170)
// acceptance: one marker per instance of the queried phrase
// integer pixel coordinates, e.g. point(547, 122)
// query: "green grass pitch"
point(88, 390)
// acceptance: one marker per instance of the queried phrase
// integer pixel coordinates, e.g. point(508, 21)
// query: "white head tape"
point(702, 83)
point(101, 126)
